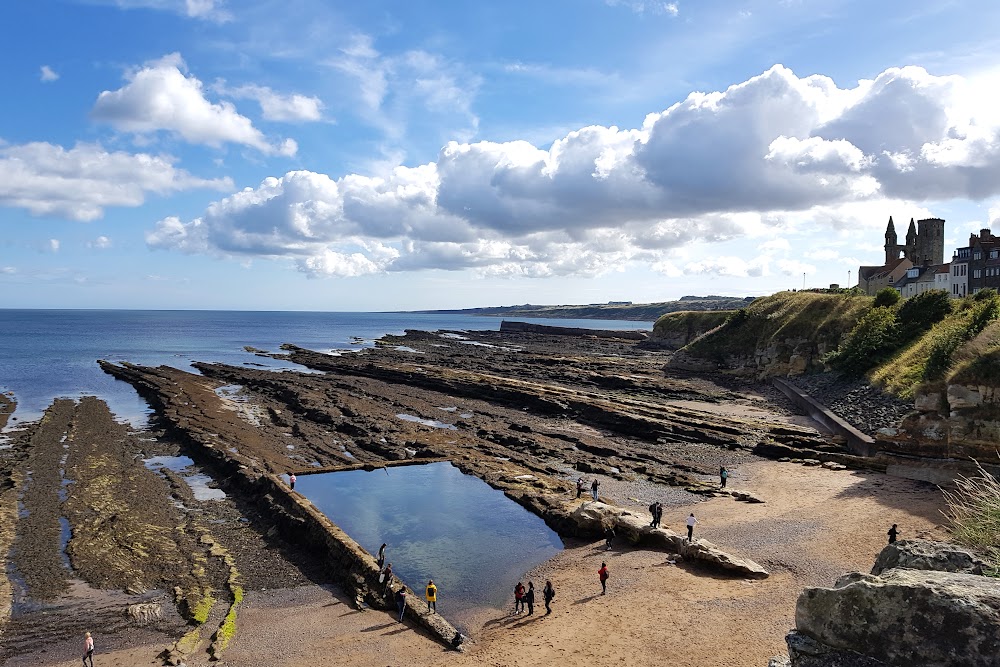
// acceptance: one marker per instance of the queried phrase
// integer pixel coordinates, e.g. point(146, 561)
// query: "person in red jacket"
point(603, 574)
point(518, 598)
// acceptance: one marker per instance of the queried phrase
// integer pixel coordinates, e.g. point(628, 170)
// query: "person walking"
point(518, 598)
point(593, 487)
point(691, 523)
point(548, 594)
point(579, 486)
point(401, 602)
point(88, 649)
point(609, 537)
point(652, 513)
point(529, 598)
point(723, 476)
point(893, 533)
point(291, 481)
point(657, 514)
point(432, 596)
point(603, 574)
point(380, 559)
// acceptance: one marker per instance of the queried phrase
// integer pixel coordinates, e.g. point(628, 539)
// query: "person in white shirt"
point(691, 522)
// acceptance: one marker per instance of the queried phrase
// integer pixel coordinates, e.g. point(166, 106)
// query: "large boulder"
point(928, 555)
point(635, 529)
point(804, 651)
point(907, 617)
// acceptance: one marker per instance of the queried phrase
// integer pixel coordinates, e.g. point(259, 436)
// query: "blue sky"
point(316, 155)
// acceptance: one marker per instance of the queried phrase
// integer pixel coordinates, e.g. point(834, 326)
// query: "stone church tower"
point(924, 242)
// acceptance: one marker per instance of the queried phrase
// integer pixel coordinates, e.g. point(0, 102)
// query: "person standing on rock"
point(401, 602)
point(88, 649)
point(432, 596)
point(386, 578)
point(691, 523)
point(893, 533)
point(652, 512)
point(593, 487)
point(548, 594)
point(380, 559)
point(723, 476)
point(291, 481)
point(518, 598)
point(657, 514)
point(579, 486)
point(529, 598)
point(603, 575)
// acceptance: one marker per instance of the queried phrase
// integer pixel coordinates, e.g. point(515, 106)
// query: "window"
point(977, 273)
point(994, 254)
point(977, 255)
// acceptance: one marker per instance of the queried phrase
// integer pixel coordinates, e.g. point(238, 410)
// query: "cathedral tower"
point(930, 241)
point(891, 243)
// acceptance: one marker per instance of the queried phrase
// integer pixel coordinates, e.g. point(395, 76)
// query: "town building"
point(960, 272)
point(984, 261)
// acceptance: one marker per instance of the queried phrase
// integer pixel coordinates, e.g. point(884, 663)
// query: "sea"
point(46, 354)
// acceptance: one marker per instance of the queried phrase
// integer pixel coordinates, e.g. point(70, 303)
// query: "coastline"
point(550, 408)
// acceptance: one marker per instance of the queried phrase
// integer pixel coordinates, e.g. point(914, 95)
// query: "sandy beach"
point(814, 526)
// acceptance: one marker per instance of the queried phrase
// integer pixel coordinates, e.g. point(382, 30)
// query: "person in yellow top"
point(432, 596)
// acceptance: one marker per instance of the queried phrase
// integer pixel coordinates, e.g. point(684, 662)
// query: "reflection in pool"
point(440, 524)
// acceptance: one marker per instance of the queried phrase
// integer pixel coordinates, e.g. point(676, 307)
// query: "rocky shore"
point(526, 412)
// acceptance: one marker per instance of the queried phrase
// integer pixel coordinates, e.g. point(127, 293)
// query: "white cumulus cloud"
point(210, 10)
point(275, 106)
point(80, 182)
point(47, 74)
point(761, 159)
point(162, 96)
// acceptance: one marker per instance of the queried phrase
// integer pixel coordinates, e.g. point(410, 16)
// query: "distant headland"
point(612, 310)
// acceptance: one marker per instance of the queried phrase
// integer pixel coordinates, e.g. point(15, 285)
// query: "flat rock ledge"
point(594, 517)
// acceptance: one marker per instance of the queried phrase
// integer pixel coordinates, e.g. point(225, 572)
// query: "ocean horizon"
point(53, 353)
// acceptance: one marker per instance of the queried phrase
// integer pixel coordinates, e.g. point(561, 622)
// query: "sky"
point(389, 155)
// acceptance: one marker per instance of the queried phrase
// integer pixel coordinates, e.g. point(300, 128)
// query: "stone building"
point(924, 249)
point(924, 242)
point(984, 261)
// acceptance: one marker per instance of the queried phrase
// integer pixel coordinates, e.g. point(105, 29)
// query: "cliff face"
point(784, 334)
point(957, 421)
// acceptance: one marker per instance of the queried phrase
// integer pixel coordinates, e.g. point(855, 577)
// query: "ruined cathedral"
point(924, 242)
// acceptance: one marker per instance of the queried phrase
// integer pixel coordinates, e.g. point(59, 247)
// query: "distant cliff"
point(617, 310)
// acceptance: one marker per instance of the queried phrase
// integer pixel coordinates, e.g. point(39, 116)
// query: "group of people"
point(524, 598)
point(385, 578)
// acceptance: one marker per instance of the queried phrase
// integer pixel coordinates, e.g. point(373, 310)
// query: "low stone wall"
point(527, 327)
point(857, 442)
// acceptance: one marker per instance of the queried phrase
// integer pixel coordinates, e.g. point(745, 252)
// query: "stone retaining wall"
point(857, 442)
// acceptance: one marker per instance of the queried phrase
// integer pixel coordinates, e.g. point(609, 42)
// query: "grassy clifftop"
point(925, 340)
point(817, 317)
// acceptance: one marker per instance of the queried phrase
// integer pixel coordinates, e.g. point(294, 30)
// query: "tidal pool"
point(440, 524)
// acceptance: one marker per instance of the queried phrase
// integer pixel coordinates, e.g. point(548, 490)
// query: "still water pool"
point(440, 524)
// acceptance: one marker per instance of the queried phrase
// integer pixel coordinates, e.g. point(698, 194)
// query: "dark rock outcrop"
point(928, 555)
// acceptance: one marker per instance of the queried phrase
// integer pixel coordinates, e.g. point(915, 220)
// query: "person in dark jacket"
point(609, 537)
point(401, 603)
point(548, 594)
point(893, 533)
point(529, 598)
point(380, 559)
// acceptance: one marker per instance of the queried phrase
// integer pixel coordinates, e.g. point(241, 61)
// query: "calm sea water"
point(46, 354)
point(439, 524)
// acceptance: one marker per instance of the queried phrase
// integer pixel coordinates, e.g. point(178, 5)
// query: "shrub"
point(984, 294)
point(984, 311)
point(921, 312)
point(870, 341)
point(942, 350)
point(973, 509)
point(887, 296)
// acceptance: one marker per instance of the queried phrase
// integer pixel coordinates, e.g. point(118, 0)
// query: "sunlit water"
point(51, 353)
point(439, 524)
